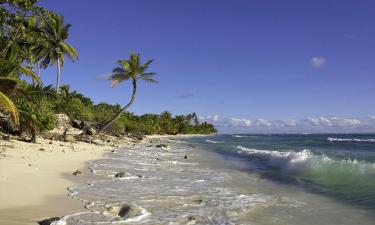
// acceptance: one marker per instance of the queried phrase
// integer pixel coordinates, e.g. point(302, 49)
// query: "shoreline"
point(34, 176)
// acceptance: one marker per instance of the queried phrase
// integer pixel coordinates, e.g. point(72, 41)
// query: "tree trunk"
point(58, 74)
point(33, 134)
point(123, 109)
point(38, 67)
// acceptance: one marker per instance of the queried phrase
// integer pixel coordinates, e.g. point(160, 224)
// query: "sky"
point(245, 66)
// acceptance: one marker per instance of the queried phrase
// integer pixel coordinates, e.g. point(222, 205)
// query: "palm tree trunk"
point(38, 67)
point(58, 74)
point(123, 109)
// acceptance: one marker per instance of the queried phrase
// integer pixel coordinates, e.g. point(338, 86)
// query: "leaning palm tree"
point(130, 69)
point(55, 47)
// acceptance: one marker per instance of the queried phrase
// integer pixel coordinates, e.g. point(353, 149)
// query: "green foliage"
point(74, 108)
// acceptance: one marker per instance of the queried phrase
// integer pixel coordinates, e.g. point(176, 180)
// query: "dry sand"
point(33, 178)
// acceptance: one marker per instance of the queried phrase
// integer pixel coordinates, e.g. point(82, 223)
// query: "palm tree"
point(10, 72)
point(55, 47)
point(130, 69)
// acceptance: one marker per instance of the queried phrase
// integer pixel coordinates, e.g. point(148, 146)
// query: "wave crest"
point(306, 161)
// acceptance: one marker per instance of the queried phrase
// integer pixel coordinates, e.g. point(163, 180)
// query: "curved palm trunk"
point(58, 74)
point(123, 109)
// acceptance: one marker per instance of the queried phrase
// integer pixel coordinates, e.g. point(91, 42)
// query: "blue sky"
point(249, 60)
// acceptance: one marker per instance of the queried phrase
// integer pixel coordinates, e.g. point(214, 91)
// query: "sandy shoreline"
point(34, 177)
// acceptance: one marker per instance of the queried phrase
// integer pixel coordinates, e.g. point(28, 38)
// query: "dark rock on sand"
point(78, 124)
point(6, 137)
point(162, 146)
point(89, 130)
point(121, 174)
point(191, 218)
point(186, 157)
point(124, 211)
point(48, 221)
point(198, 201)
point(77, 172)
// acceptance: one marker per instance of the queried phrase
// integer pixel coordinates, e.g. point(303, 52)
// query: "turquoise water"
point(337, 166)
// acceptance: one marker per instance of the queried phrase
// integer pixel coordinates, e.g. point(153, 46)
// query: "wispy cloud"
point(318, 62)
point(183, 96)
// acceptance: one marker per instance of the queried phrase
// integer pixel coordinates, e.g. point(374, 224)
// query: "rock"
point(89, 130)
point(124, 211)
point(29, 165)
point(198, 201)
point(7, 124)
point(121, 174)
point(69, 138)
point(186, 157)
point(78, 124)
point(50, 142)
point(77, 172)
point(191, 218)
point(162, 146)
point(62, 120)
point(42, 149)
point(48, 221)
point(140, 176)
point(6, 137)
point(136, 136)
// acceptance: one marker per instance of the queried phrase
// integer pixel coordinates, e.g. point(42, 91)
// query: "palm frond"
point(7, 105)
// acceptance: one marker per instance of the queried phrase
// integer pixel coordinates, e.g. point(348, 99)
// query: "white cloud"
point(318, 62)
point(289, 123)
point(236, 122)
point(209, 119)
point(312, 124)
point(263, 123)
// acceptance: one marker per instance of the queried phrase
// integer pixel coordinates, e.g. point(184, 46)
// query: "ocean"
point(234, 179)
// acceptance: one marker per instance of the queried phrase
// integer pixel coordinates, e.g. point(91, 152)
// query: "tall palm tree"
point(130, 69)
point(55, 47)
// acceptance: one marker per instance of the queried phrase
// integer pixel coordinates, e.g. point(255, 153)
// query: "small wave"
point(210, 141)
point(370, 140)
point(238, 136)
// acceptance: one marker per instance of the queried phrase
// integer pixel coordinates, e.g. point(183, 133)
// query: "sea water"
point(234, 179)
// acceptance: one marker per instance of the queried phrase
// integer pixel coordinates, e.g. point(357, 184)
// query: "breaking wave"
point(351, 178)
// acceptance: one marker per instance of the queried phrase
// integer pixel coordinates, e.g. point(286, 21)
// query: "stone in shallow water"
point(121, 174)
point(48, 221)
point(124, 211)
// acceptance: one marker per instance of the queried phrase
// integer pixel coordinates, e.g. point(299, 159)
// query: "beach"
point(170, 180)
point(34, 177)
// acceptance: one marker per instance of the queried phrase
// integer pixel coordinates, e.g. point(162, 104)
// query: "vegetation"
point(33, 38)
